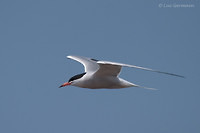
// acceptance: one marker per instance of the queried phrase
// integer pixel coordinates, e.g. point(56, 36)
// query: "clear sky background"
point(37, 35)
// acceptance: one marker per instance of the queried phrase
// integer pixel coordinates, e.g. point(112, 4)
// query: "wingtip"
point(72, 56)
point(182, 76)
point(68, 56)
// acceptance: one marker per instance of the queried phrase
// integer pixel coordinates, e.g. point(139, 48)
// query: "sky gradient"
point(36, 37)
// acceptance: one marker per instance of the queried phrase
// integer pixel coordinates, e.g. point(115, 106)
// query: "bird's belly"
point(102, 82)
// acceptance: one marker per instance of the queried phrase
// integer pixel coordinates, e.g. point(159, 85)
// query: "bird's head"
point(73, 80)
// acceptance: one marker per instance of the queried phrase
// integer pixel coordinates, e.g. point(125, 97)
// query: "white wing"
point(90, 65)
point(107, 69)
point(126, 65)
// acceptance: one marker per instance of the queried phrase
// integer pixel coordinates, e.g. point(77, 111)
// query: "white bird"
point(103, 74)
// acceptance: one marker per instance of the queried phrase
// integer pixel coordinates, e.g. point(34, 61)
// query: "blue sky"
point(36, 37)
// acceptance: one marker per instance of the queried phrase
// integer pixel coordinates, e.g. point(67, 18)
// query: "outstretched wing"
point(90, 65)
point(109, 68)
point(118, 66)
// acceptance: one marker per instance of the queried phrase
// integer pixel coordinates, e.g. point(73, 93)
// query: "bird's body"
point(103, 74)
point(110, 82)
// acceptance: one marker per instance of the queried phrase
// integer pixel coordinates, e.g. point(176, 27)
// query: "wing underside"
point(108, 70)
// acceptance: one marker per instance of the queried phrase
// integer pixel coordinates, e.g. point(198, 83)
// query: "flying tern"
point(104, 74)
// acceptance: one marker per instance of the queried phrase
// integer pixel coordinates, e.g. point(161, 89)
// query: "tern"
point(104, 74)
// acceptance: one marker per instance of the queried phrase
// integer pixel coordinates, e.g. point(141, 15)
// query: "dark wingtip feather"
point(172, 74)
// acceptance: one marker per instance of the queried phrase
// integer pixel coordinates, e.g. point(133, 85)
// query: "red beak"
point(65, 84)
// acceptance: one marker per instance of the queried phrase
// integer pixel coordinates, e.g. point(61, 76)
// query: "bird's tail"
point(129, 84)
point(144, 87)
point(147, 88)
